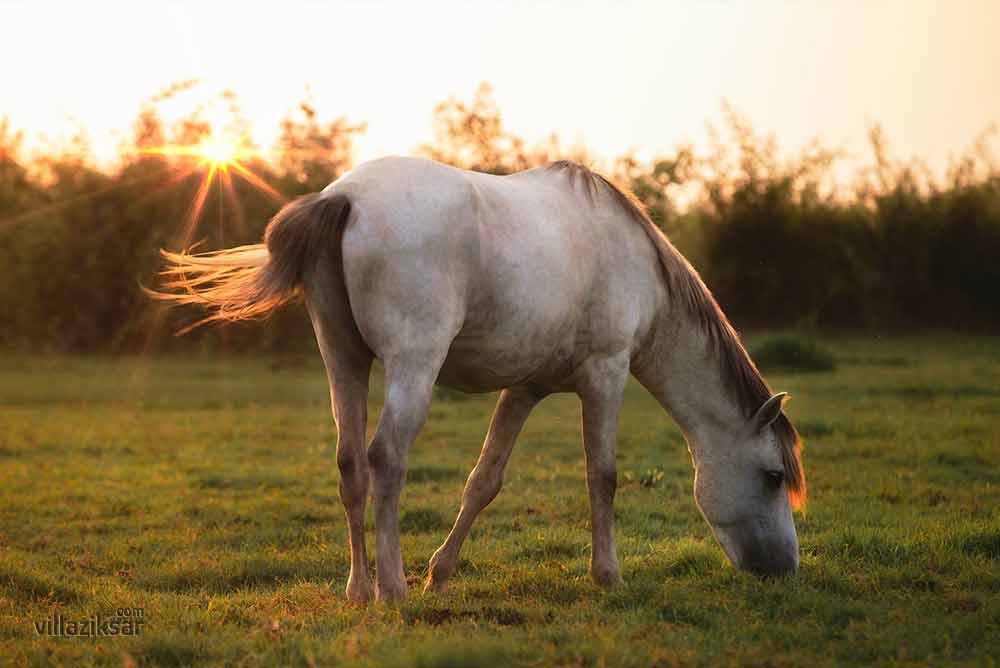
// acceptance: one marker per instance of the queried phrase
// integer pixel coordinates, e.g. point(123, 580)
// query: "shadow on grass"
point(254, 572)
point(448, 653)
point(422, 520)
point(34, 588)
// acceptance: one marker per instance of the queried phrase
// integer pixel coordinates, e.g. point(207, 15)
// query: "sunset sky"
point(639, 75)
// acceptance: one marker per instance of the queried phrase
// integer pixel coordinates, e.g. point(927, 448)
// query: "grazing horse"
point(548, 280)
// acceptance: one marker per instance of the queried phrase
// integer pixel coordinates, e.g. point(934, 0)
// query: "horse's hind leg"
point(348, 365)
point(484, 482)
point(409, 383)
point(348, 375)
point(350, 409)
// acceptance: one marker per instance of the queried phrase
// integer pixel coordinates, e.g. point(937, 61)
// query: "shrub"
point(792, 353)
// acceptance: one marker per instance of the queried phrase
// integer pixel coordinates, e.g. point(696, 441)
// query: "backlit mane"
point(686, 287)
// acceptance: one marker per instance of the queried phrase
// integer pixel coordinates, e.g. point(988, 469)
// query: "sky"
point(613, 76)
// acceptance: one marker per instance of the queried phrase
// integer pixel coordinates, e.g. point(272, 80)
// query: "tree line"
point(782, 242)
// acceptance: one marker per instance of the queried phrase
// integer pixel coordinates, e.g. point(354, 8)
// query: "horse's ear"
point(769, 411)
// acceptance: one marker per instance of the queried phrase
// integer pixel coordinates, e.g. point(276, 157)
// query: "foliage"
point(781, 242)
point(471, 135)
point(79, 241)
point(203, 489)
point(311, 155)
point(784, 245)
point(788, 352)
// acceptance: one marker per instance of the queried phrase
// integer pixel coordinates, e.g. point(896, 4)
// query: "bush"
point(779, 243)
point(792, 353)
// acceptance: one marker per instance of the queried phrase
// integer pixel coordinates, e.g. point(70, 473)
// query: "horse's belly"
point(482, 372)
point(506, 349)
point(495, 369)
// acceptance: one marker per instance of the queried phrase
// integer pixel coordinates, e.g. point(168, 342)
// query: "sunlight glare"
point(218, 152)
point(216, 155)
point(214, 152)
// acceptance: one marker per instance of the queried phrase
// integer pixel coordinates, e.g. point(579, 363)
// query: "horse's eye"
point(775, 477)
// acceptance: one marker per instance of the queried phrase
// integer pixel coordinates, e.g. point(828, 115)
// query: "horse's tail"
point(249, 282)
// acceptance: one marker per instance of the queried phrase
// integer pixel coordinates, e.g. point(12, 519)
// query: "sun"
point(218, 152)
point(215, 152)
point(215, 155)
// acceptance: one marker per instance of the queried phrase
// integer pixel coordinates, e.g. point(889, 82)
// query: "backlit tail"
point(249, 282)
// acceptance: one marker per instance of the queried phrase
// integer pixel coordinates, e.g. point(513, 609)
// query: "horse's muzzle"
point(772, 562)
point(765, 553)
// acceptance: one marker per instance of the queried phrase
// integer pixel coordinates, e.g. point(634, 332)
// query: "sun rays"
point(217, 157)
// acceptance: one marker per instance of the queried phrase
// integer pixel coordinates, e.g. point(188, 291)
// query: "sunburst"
point(216, 155)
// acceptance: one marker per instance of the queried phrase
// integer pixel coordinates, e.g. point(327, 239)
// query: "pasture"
point(203, 491)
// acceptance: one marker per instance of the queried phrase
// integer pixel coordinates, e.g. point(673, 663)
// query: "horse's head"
point(746, 489)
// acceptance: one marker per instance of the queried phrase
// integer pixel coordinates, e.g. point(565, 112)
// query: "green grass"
point(204, 491)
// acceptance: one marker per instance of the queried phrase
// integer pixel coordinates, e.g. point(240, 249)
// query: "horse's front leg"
point(408, 389)
point(601, 389)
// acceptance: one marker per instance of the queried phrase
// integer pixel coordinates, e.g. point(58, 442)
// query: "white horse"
point(549, 280)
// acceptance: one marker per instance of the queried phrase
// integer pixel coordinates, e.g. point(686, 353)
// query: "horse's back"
point(521, 275)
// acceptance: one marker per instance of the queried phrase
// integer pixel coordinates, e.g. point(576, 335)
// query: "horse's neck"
point(682, 371)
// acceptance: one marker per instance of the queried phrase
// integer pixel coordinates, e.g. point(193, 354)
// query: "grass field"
point(204, 492)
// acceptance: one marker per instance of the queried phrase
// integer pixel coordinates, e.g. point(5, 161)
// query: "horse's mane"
point(685, 286)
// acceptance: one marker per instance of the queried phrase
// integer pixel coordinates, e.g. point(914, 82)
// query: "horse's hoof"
point(607, 579)
point(389, 593)
point(437, 585)
point(439, 570)
point(359, 593)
